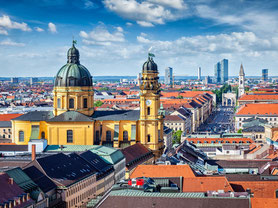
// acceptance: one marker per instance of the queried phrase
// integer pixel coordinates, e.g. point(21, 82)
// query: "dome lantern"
point(149, 65)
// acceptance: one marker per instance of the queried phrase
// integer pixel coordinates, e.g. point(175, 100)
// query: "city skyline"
point(113, 36)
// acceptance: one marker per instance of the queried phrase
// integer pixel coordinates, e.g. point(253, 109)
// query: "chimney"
point(11, 181)
point(33, 152)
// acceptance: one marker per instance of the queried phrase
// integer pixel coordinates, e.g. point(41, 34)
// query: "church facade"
point(74, 120)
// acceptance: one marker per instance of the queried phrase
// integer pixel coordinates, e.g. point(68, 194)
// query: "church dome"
point(73, 74)
point(149, 65)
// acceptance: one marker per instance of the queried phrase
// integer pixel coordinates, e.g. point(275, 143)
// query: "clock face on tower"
point(148, 102)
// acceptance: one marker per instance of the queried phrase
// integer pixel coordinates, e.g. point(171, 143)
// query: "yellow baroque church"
point(74, 121)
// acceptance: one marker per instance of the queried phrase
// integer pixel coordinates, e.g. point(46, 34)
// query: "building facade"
point(75, 122)
point(264, 74)
point(168, 76)
point(221, 71)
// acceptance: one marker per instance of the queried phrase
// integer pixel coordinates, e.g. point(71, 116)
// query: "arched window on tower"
point(85, 103)
point(149, 138)
point(125, 136)
point(21, 136)
point(43, 135)
point(59, 102)
point(108, 136)
point(71, 103)
point(69, 136)
point(148, 111)
point(97, 139)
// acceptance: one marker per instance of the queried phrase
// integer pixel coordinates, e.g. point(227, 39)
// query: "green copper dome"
point(73, 73)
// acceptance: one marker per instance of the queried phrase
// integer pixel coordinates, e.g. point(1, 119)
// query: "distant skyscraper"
point(14, 80)
point(221, 71)
point(33, 80)
point(217, 73)
point(199, 73)
point(264, 74)
point(241, 84)
point(169, 76)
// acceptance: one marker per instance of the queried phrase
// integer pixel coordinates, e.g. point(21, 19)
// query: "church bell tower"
point(241, 85)
point(151, 122)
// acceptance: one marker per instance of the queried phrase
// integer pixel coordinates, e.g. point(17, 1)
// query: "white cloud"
point(9, 42)
point(52, 27)
point(256, 20)
point(141, 39)
point(144, 24)
point(3, 32)
point(150, 12)
point(38, 29)
point(129, 24)
point(101, 36)
point(6, 22)
point(176, 4)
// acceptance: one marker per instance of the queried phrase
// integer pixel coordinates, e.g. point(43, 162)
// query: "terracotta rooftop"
point(259, 109)
point(219, 140)
point(263, 202)
point(204, 184)
point(157, 171)
point(8, 117)
point(258, 97)
point(172, 118)
point(261, 189)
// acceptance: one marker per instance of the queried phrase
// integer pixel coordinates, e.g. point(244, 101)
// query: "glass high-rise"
point(221, 71)
point(168, 79)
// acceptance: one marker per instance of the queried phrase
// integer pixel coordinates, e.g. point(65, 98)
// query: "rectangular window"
point(21, 136)
point(149, 138)
point(69, 136)
point(71, 103)
point(59, 103)
point(116, 132)
point(149, 111)
point(85, 103)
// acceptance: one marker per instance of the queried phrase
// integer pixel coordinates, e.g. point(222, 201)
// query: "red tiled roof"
point(258, 108)
point(8, 117)
point(172, 118)
point(264, 202)
point(135, 152)
point(157, 171)
point(204, 184)
point(259, 97)
point(216, 140)
point(261, 189)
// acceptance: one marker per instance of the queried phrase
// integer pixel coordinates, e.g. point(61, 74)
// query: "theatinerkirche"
point(74, 120)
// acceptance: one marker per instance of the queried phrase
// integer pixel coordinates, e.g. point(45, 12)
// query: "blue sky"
point(114, 36)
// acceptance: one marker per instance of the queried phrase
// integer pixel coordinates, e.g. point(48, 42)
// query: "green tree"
point(98, 103)
point(179, 97)
point(239, 131)
point(177, 137)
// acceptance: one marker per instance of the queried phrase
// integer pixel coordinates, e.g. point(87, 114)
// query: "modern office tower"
point(217, 73)
point(264, 74)
point(241, 79)
point(169, 76)
point(14, 80)
point(199, 73)
point(139, 77)
point(221, 71)
point(33, 80)
point(224, 70)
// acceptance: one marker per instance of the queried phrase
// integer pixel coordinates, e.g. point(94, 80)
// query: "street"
point(220, 121)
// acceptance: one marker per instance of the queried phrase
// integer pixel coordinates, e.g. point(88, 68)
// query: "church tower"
point(241, 85)
point(73, 87)
point(151, 122)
